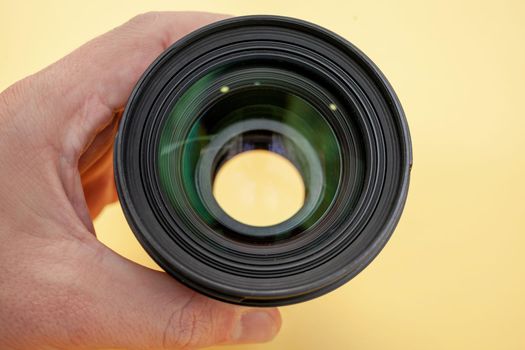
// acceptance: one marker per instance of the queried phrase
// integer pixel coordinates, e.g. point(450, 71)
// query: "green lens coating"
point(229, 111)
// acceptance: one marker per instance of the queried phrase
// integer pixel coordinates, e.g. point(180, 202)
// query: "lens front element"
point(231, 111)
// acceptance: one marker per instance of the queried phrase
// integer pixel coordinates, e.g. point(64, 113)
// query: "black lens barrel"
point(358, 149)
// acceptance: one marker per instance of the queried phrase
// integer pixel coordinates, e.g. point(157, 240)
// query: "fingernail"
point(255, 326)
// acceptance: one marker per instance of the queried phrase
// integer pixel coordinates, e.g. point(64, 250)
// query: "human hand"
point(60, 288)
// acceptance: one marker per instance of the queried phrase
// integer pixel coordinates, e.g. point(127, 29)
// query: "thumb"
point(134, 307)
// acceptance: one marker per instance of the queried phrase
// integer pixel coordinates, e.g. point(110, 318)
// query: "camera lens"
point(290, 103)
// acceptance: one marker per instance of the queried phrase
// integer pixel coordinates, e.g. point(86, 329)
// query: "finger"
point(96, 170)
point(134, 307)
point(77, 95)
point(99, 184)
point(100, 146)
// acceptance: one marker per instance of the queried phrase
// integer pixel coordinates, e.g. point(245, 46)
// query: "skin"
point(60, 288)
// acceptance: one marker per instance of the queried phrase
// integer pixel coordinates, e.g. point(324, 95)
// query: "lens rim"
point(343, 254)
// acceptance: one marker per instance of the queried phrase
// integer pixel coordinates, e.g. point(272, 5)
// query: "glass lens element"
point(229, 112)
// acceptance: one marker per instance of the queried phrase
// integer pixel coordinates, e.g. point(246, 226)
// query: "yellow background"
point(453, 274)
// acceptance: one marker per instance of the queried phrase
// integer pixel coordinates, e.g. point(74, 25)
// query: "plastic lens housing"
point(277, 84)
